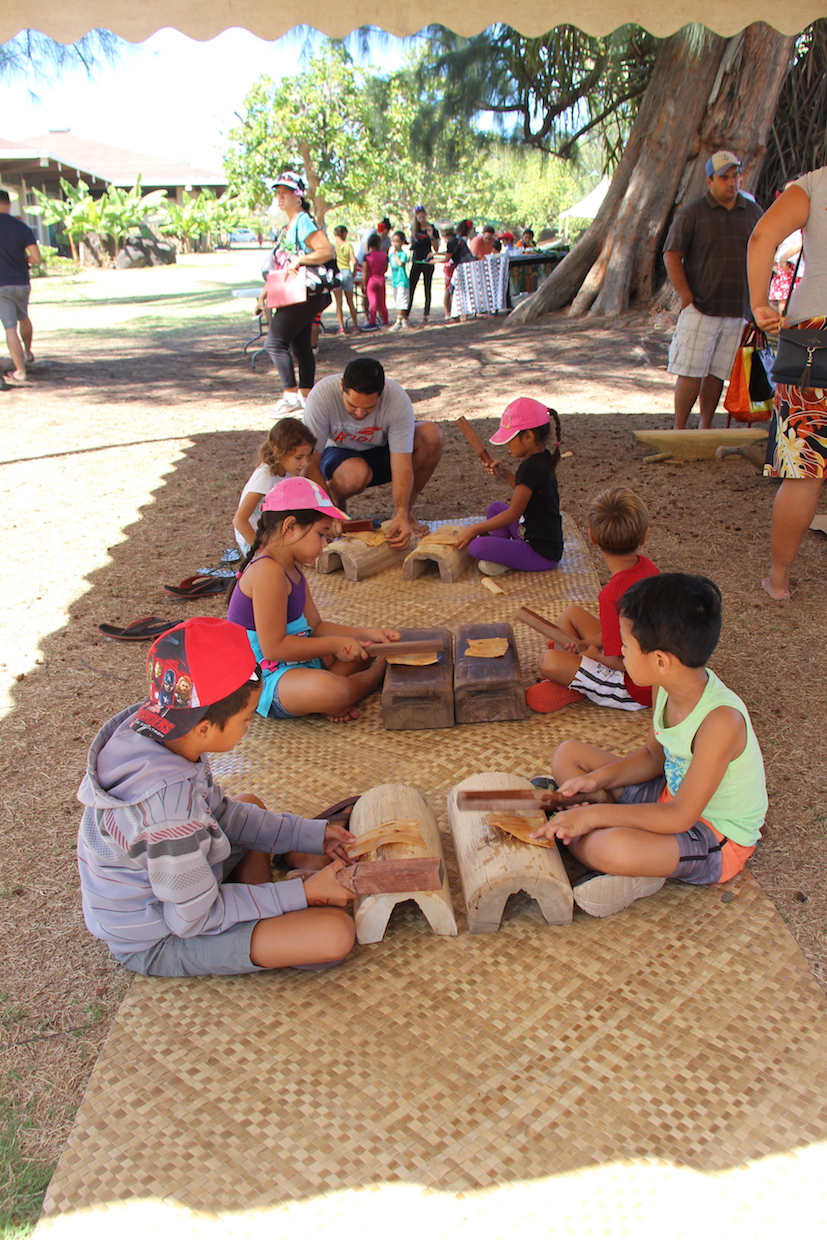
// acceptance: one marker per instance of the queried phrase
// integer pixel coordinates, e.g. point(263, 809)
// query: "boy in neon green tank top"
point(691, 802)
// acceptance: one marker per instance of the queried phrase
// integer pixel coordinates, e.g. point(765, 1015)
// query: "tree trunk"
point(320, 204)
point(700, 99)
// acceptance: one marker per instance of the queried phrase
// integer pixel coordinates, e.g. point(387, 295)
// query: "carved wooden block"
point(487, 690)
point(435, 548)
point(420, 697)
point(387, 803)
point(356, 559)
point(493, 866)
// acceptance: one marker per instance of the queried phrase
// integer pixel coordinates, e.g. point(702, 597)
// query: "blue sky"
point(170, 96)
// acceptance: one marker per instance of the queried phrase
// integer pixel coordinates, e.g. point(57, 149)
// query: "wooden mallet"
point(479, 447)
point(541, 625)
point(370, 878)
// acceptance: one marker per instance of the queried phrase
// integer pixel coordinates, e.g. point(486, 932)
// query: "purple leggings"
point(506, 547)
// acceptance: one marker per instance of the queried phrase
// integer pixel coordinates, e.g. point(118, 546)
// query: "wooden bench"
point(386, 803)
point(420, 697)
point(487, 690)
point(494, 866)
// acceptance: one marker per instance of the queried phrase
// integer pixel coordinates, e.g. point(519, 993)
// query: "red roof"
point(117, 166)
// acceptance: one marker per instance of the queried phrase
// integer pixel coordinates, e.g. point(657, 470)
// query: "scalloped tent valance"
point(203, 19)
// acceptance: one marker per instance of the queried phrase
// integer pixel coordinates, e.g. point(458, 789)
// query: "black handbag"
point(801, 359)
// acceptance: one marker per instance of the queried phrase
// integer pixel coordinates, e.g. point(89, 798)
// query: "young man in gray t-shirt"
point(366, 435)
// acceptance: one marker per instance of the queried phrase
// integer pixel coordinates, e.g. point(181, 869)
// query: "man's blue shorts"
point(378, 461)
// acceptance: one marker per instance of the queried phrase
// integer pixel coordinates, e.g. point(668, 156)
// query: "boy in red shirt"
point(590, 666)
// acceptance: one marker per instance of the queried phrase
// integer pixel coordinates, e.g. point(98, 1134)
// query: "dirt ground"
point(122, 466)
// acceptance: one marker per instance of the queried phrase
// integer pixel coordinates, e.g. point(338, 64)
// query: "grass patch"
point(23, 1181)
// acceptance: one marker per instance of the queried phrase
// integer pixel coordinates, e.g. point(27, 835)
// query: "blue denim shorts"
point(378, 461)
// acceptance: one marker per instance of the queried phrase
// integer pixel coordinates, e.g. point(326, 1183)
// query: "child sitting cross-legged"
point(591, 666)
point(175, 875)
point(691, 802)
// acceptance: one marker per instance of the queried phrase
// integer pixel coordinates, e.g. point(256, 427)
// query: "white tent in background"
point(586, 209)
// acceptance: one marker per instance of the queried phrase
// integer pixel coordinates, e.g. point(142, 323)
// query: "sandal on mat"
point(144, 630)
point(342, 809)
point(197, 587)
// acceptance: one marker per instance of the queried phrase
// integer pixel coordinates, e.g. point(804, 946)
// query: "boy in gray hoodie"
point(175, 875)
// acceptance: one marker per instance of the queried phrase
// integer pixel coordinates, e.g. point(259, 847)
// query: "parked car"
point(243, 236)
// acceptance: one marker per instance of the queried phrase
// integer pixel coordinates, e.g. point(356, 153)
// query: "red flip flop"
point(144, 630)
point(197, 587)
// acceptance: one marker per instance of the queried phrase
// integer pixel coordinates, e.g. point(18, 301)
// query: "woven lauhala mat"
point(386, 600)
point(565, 1080)
point(661, 1069)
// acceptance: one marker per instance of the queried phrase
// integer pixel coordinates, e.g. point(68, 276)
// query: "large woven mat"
point(659, 1073)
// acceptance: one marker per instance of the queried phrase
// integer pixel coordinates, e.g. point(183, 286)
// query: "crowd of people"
point(352, 274)
point(176, 876)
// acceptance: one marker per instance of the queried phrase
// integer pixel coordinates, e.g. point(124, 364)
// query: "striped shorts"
point(604, 686)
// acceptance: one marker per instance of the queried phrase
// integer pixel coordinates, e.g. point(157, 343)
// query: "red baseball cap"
point(189, 669)
point(523, 414)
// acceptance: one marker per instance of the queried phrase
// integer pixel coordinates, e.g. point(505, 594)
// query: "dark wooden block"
point(487, 690)
point(420, 697)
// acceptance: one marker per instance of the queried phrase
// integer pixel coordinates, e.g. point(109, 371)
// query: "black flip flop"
point(143, 630)
point(197, 587)
point(342, 809)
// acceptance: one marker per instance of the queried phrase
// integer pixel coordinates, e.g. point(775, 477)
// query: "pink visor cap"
point(523, 414)
point(293, 494)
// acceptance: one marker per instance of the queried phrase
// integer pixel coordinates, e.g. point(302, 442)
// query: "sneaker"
point(341, 332)
point(369, 327)
point(546, 696)
point(601, 895)
point(398, 325)
point(490, 569)
point(289, 403)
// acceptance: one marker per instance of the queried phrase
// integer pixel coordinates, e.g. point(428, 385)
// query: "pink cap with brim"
point(292, 494)
point(523, 414)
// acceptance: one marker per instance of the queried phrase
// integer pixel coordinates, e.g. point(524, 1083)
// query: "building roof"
point(111, 163)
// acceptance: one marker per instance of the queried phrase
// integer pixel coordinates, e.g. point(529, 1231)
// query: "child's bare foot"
point(343, 716)
point(779, 596)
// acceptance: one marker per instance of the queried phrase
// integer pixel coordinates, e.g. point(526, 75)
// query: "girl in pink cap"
point(497, 541)
point(309, 666)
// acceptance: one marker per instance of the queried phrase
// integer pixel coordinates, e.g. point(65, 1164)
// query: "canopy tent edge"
point(208, 18)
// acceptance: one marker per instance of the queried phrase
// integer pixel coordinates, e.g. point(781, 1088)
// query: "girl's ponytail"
point(558, 435)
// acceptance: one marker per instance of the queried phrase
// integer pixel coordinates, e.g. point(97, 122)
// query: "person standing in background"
point(18, 252)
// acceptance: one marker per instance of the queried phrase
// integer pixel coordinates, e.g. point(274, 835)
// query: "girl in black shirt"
point(424, 240)
point(496, 542)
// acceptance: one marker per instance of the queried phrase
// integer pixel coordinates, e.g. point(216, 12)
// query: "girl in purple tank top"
point(309, 665)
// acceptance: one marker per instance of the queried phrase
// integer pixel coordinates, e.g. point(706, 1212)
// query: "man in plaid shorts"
point(706, 260)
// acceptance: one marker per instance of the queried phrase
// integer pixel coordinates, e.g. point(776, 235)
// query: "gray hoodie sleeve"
point(182, 848)
point(264, 829)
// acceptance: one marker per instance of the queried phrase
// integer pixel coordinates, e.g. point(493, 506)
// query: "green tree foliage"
point(117, 212)
point(198, 220)
point(525, 187)
point(547, 92)
point(320, 122)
